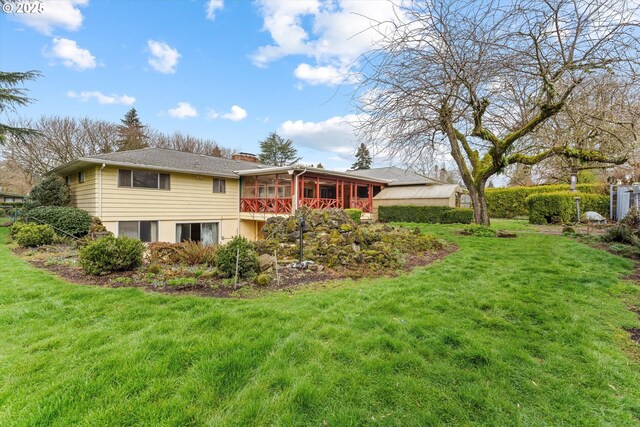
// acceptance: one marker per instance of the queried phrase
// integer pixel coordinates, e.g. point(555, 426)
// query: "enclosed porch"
point(278, 193)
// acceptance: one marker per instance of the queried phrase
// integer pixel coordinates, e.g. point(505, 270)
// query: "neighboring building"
point(157, 194)
point(6, 198)
point(407, 188)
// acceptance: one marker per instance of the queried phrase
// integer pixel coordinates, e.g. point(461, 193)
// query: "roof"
point(440, 191)
point(316, 171)
point(163, 159)
point(395, 176)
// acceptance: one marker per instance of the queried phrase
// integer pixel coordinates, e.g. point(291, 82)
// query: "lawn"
point(525, 331)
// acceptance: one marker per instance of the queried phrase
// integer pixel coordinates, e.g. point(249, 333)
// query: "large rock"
point(594, 217)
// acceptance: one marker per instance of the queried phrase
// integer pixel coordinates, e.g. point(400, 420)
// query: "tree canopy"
point(277, 151)
point(11, 97)
point(363, 158)
point(481, 78)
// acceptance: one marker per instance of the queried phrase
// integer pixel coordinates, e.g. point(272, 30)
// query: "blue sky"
point(231, 71)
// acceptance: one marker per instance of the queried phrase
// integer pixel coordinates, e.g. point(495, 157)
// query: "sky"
point(228, 70)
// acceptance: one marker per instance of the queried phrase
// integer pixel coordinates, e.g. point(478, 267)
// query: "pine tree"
point(276, 151)
point(131, 132)
point(11, 97)
point(320, 166)
point(363, 158)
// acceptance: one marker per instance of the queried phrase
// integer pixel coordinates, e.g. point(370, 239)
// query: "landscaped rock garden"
point(334, 246)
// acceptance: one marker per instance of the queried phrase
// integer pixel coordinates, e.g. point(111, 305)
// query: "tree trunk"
point(479, 202)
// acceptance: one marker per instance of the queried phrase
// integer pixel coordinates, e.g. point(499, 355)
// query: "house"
point(157, 194)
point(407, 188)
point(6, 198)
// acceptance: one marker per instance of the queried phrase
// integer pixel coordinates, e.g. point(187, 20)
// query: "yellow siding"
point(83, 196)
point(190, 198)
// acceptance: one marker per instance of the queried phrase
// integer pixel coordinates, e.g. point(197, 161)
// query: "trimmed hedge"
point(560, 206)
point(109, 254)
point(425, 214)
point(511, 202)
point(354, 214)
point(66, 219)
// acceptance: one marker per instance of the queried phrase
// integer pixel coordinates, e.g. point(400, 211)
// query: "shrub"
point(560, 206)
point(163, 253)
point(354, 214)
point(15, 228)
point(226, 255)
point(67, 220)
point(512, 201)
point(458, 216)
point(195, 253)
point(425, 214)
point(632, 219)
point(479, 231)
point(51, 191)
point(620, 234)
point(109, 254)
point(30, 235)
point(263, 279)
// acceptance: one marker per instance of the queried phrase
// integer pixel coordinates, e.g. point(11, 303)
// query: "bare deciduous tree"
point(482, 77)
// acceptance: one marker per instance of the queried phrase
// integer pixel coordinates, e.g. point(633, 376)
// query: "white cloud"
point(327, 75)
point(335, 134)
point(183, 110)
point(102, 98)
point(333, 33)
point(55, 13)
point(71, 54)
point(163, 57)
point(236, 114)
point(212, 7)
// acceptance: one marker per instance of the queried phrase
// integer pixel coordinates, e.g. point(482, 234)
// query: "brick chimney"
point(245, 157)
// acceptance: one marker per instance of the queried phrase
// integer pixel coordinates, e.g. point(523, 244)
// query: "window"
point(219, 185)
point(143, 179)
point(147, 231)
point(67, 179)
point(206, 232)
point(81, 177)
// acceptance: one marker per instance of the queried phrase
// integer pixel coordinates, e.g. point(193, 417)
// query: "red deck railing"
point(260, 205)
point(363, 204)
point(319, 203)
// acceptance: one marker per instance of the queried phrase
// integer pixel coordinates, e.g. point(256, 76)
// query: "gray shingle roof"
point(163, 158)
point(395, 175)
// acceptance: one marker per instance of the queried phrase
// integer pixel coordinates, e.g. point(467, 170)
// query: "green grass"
point(524, 331)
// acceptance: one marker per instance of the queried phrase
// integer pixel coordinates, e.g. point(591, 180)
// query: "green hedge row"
point(511, 202)
point(561, 206)
point(425, 214)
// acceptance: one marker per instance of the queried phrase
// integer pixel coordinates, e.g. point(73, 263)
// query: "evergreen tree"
point(131, 133)
point(320, 166)
point(276, 151)
point(363, 158)
point(12, 97)
point(51, 191)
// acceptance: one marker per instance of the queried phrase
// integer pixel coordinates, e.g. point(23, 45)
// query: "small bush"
point(248, 265)
point(163, 253)
point(354, 214)
point(479, 231)
point(195, 253)
point(16, 227)
point(632, 219)
point(31, 235)
point(67, 220)
point(425, 214)
point(620, 234)
point(109, 254)
point(263, 279)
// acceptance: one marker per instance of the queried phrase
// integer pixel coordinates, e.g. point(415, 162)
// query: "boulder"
point(592, 216)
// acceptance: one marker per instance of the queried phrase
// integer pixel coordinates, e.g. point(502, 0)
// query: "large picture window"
point(147, 231)
point(143, 179)
point(205, 232)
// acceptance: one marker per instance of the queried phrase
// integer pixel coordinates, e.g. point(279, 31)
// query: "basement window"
point(147, 231)
point(205, 232)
